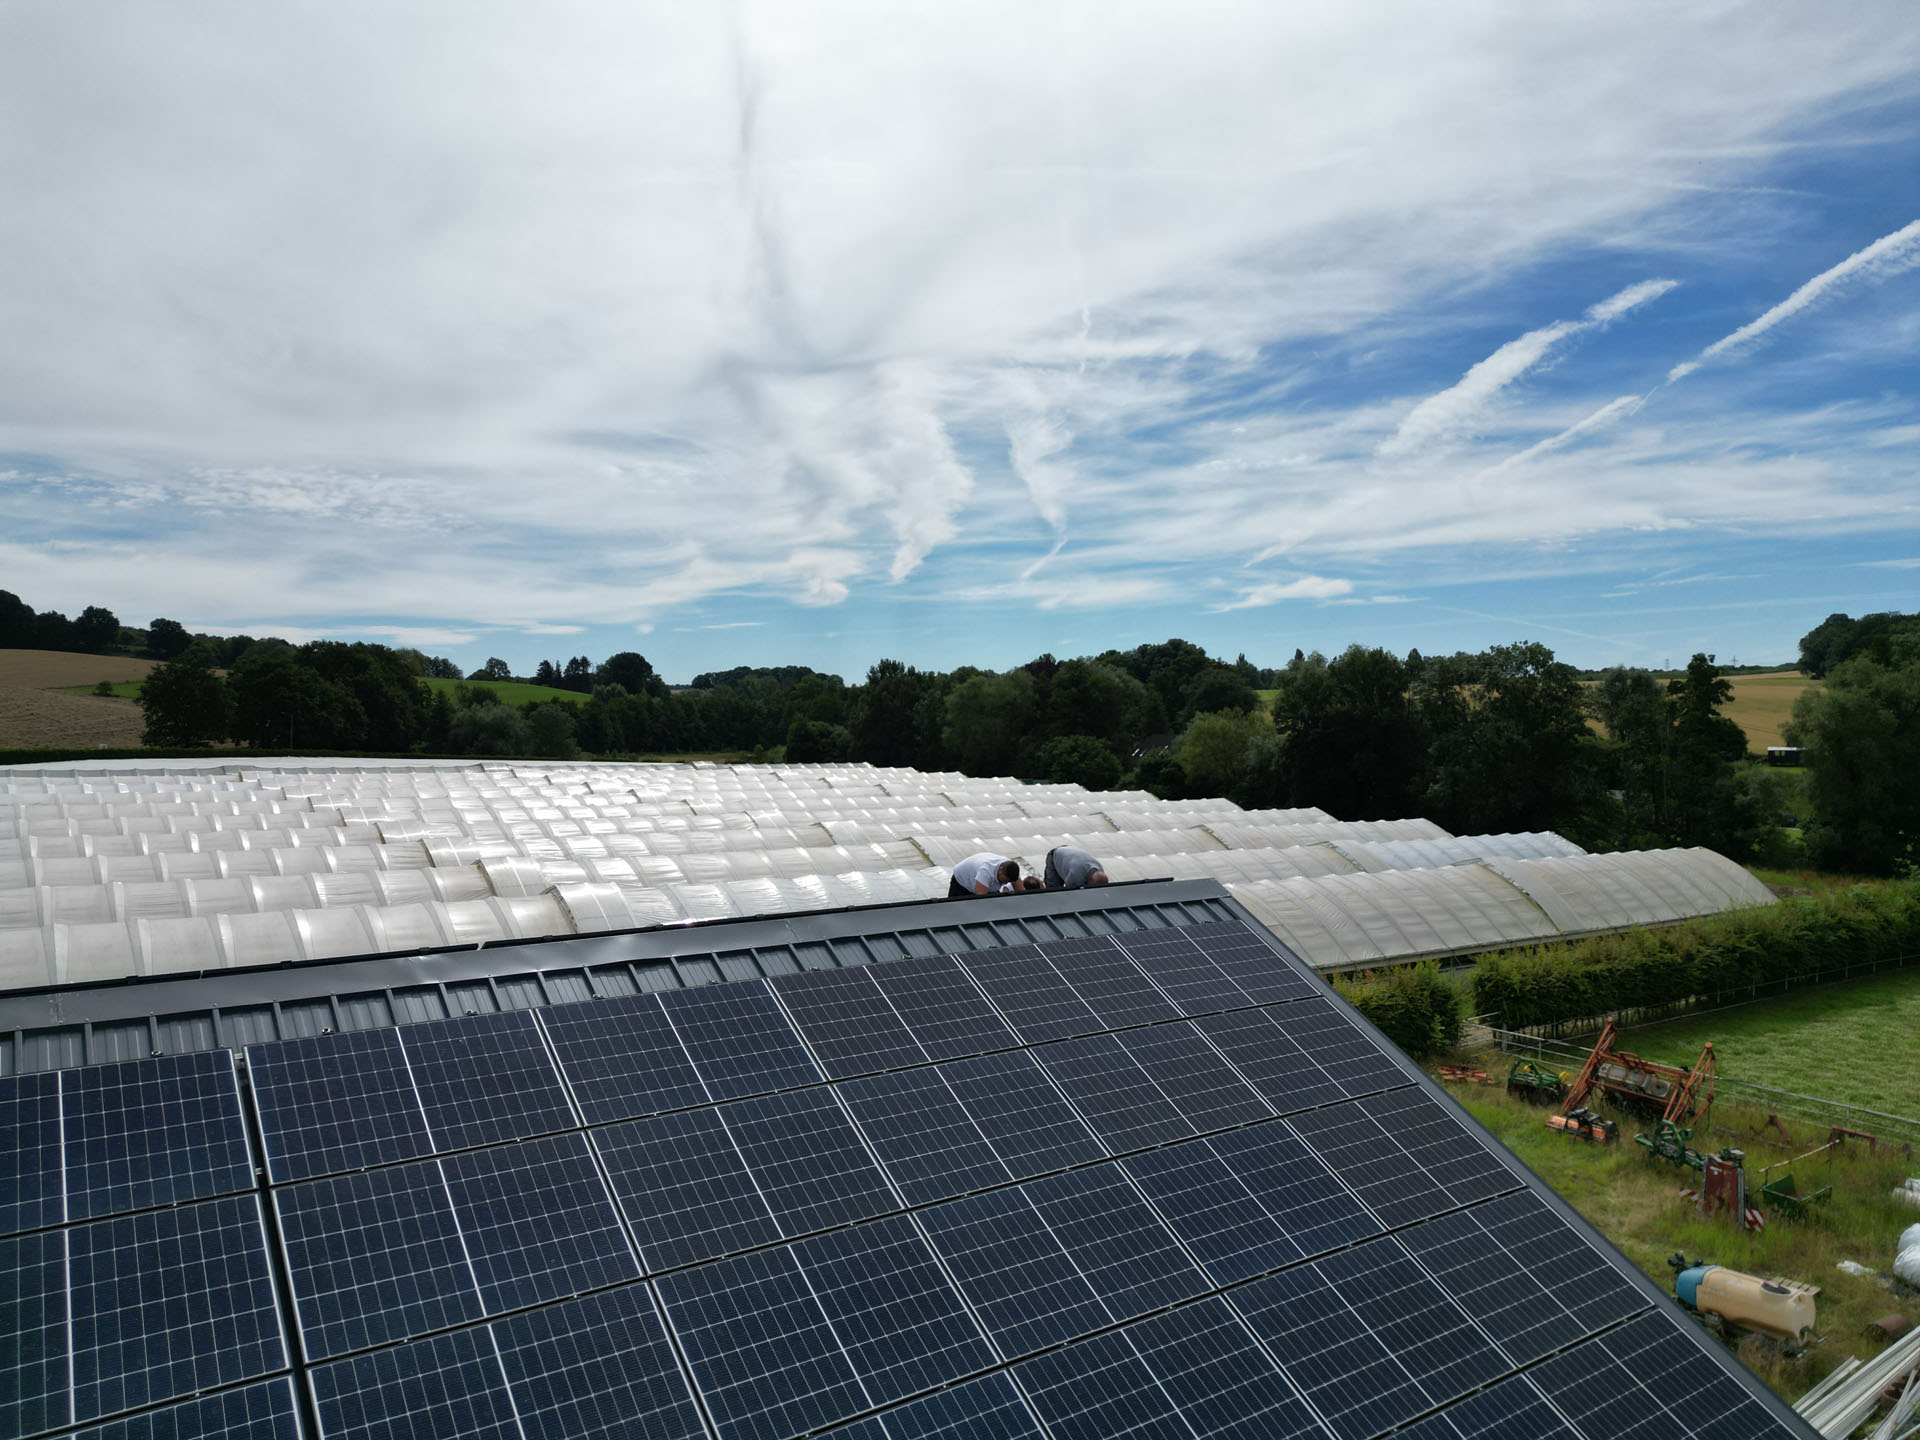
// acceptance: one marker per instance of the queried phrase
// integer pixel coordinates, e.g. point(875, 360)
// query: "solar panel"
point(30, 1138)
point(1014, 1271)
point(622, 1058)
point(1222, 1223)
point(930, 1146)
point(1122, 1103)
point(1035, 998)
point(263, 1411)
point(1513, 1407)
point(1646, 1379)
point(944, 1009)
point(33, 1358)
point(847, 1020)
point(1222, 1383)
point(1517, 1268)
point(807, 1160)
point(375, 1257)
point(447, 1386)
point(1337, 1046)
point(1276, 1065)
point(767, 1362)
point(726, 1246)
point(892, 1308)
point(484, 1078)
point(1194, 1075)
point(1186, 975)
point(597, 1366)
point(1023, 1117)
point(1247, 959)
point(1112, 985)
point(684, 1188)
point(536, 1222)
point(330, 1103)
point(1101, 1387)
point(738, 1040)
point(989, 1408)
point(1118, 1245)
point(168, 1303)
point(153, 1132)
point(1368, 1338)
point(1308, 1203)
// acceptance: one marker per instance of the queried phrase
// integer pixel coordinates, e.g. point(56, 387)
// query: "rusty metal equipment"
point(1680, 1097)
point(1723, 1190)
point(1585, 1125)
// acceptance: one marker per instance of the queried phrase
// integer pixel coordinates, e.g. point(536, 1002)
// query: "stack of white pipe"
point(1847, 1398)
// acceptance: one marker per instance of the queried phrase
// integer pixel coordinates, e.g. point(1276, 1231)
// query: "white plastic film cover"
point(89, 952)
point(178, 946)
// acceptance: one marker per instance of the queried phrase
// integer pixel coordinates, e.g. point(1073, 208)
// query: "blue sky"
point(765, 334)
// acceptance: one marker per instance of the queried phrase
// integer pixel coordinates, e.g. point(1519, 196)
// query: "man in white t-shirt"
point(984, 874)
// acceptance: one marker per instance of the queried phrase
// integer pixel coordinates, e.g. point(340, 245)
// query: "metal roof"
point(51, 1028)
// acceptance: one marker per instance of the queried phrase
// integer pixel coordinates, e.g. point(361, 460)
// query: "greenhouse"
point(121, 869)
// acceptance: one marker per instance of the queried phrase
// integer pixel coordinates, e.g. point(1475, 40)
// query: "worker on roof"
point(1070, 868)
point(984, 874)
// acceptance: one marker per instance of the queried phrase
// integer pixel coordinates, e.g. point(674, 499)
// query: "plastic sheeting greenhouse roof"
point(119, 869)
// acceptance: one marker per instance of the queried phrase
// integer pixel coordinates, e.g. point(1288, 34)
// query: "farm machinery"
point(1730, 1303)
point(1677, 1097)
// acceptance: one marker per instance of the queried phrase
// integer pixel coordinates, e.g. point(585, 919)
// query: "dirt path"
point(52, 719)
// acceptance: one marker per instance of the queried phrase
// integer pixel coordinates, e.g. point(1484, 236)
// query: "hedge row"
point(1416, 1006)
point(1795, 941)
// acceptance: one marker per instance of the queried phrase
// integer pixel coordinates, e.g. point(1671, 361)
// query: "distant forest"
point(1505, 739)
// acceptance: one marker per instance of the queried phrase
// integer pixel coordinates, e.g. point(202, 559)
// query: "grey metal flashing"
point(58, 1027)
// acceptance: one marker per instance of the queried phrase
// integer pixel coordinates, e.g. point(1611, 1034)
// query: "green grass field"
point(125, 689)
point(1633, 1200)
point(511, 692)
point(1852, 1041)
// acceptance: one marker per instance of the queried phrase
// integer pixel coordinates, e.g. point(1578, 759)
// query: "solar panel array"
point(152, 872)
point(1155, 1182)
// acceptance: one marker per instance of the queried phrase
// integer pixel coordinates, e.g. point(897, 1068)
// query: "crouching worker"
point(984, 874)
point(1069, 868)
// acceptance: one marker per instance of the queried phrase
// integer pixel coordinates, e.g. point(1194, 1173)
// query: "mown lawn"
point(1634, 1201)
point(1855, 1041)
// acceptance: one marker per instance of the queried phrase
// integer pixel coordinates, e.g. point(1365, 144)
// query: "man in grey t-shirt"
point(1069, 868)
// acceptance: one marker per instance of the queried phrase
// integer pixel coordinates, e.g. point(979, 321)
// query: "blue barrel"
point(1687, 1284)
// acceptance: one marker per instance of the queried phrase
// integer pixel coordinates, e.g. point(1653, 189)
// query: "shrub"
point(1795, 941)
point(1415, 1006)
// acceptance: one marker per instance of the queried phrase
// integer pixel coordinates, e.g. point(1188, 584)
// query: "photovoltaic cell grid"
point(107, 1139)
point(1131, 1184)
point(118, 1314)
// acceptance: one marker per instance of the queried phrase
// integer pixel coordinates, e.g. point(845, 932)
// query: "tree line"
point(1503, 739)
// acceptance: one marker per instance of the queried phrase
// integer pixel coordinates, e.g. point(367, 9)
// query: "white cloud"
point(1887, 256)
point(1307, 587)
point(1452, 411)
point(473, 320)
